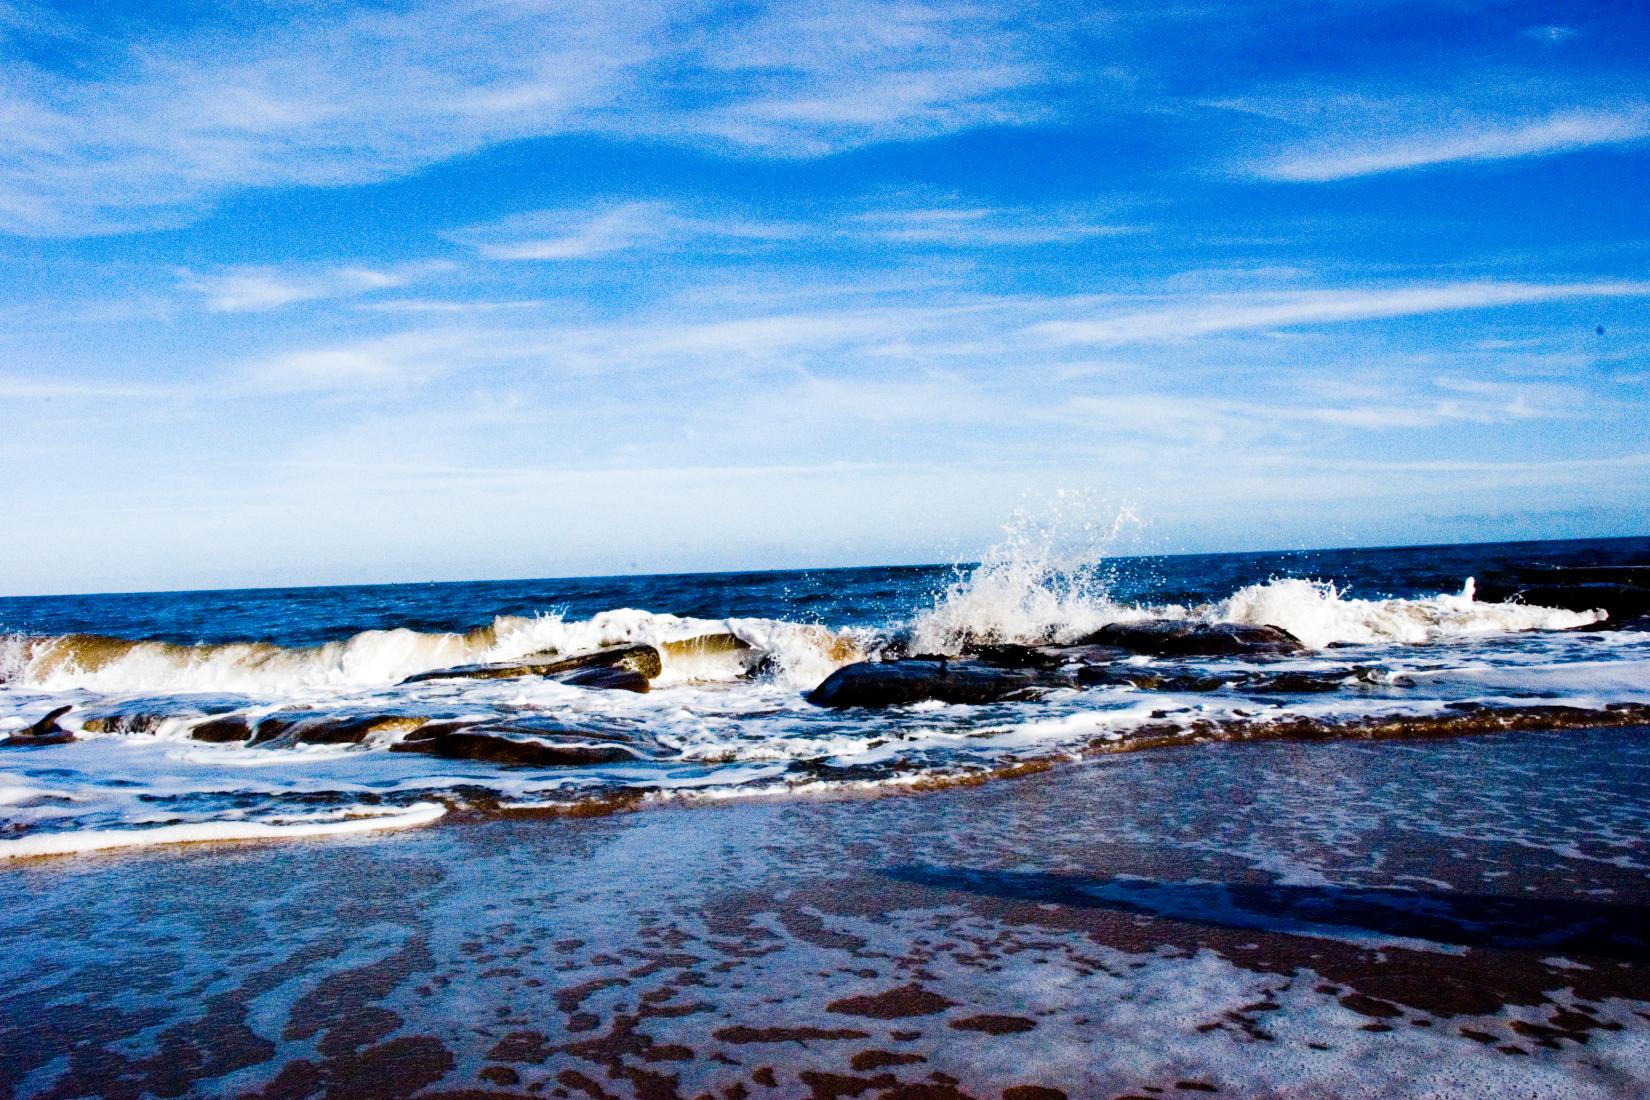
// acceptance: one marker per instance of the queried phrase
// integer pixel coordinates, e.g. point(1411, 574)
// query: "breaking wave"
point(795, 652)
point(1319, 615)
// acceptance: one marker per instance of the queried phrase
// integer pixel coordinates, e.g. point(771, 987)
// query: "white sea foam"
point(357, 820)
point(12, 794)
point(1318, 614)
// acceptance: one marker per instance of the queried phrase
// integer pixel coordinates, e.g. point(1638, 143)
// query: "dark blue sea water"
point(193, 715)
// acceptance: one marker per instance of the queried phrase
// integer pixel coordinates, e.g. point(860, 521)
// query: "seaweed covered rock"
point(1191, 638)
point(894, 683)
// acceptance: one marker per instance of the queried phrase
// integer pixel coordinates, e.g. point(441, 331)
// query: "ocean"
point(1361, 823)
point(307, 711)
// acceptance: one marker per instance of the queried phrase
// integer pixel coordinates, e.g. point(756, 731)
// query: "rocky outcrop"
point(894, 683)
point(1191, 638)
point(44, 732)
point(642, 660)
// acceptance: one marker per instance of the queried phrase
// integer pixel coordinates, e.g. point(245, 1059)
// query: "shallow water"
point(1396, 633)
point(1458, 918)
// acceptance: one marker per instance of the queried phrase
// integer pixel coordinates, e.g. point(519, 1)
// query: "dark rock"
point(44, 732)
point(224, 728)
point(330, 729)
point(1017, 656)
point(539, 748)
point(431, 730)
point(269, 730)
point(643, 659)
point(608, 679)
point(1189, 638)
point(894, 683)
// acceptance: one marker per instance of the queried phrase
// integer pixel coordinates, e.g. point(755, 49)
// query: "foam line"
point(63, 844)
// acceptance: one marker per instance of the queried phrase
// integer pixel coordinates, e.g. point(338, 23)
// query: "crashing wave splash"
point(1035, 603)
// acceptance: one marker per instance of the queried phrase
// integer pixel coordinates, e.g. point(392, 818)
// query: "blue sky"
point(311, 293)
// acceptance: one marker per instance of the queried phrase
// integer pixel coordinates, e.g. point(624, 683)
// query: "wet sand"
point(1463, 917)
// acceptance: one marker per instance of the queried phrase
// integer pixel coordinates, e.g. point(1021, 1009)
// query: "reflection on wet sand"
point(1384, 918)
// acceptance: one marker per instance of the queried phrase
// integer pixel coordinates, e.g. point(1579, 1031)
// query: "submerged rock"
point(44, 732)
point(1191, 638)
point(893, 683)
point(641, 659)
point(536, 747)
point(331, 729)
point(223, 729)
point(608, 679)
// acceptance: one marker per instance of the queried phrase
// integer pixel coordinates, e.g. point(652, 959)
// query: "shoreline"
point(1146, 924)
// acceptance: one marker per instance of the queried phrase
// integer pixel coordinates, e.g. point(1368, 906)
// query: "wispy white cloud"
point(381, 364)
point(816, 76)
point(1410, 406)
point(587, 233)
point(451, 305)
point(256, 289)
point(349, 96)
point(1489, 140)
point(1263, 310)
point(608, 228)
point(980, 226)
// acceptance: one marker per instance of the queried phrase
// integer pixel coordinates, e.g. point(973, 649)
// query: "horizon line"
point(815, 568)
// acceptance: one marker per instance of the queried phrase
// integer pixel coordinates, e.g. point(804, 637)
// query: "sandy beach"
point(1425, 918)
